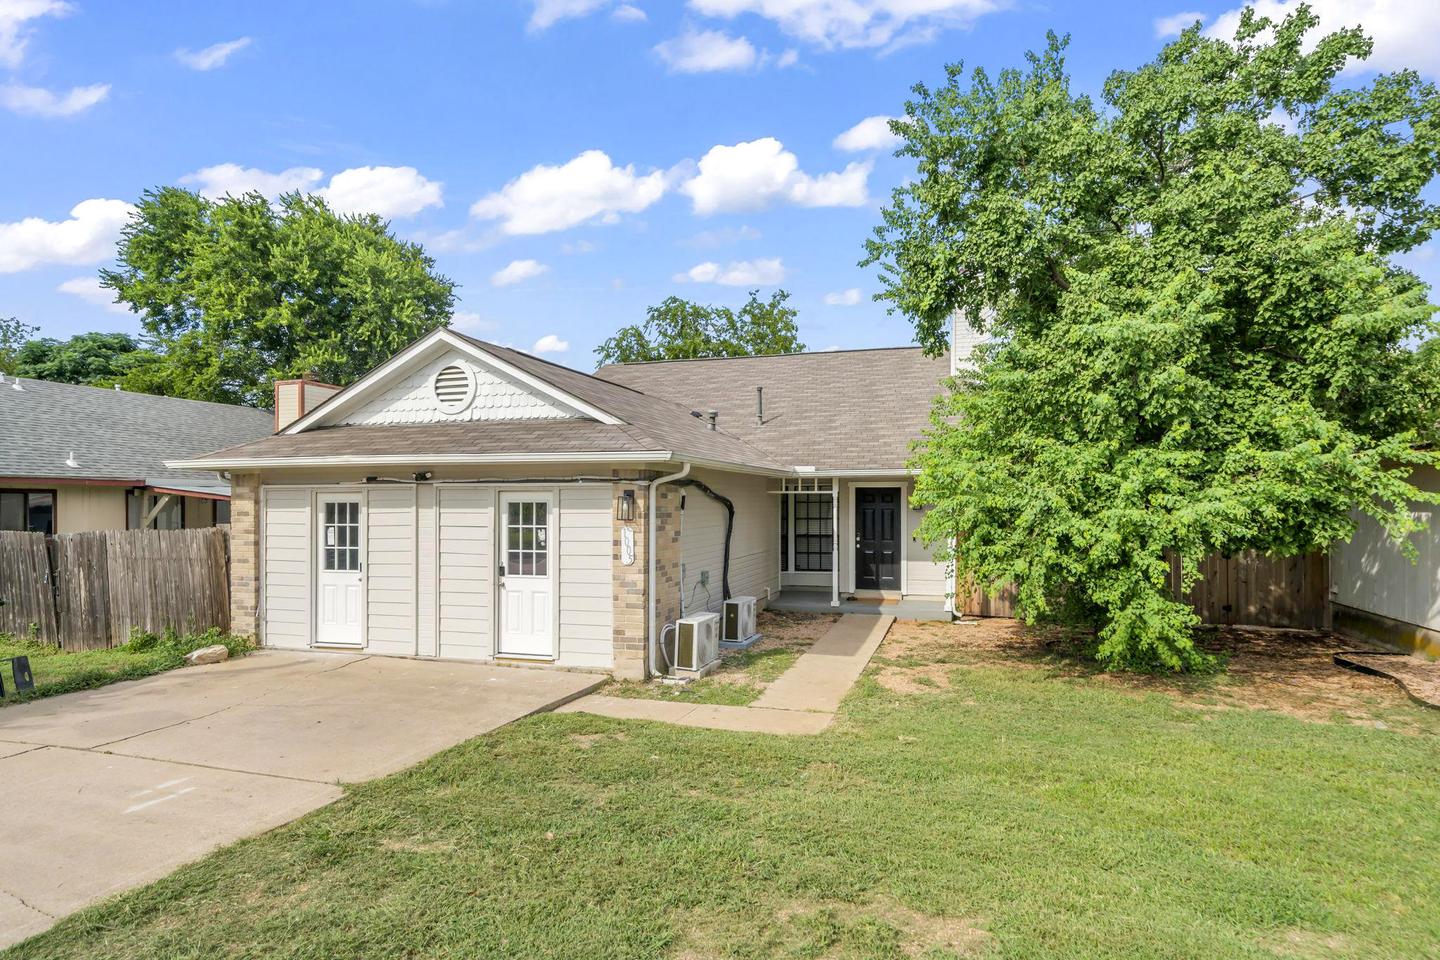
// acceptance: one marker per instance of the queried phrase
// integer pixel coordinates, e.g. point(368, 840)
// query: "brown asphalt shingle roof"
point(837, 410)
point(840, 410)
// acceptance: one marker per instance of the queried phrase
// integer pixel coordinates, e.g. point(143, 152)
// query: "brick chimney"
point(295, 398)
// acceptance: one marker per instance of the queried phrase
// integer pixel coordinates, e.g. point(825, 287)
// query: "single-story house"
point(75, 458)
point(466, 500)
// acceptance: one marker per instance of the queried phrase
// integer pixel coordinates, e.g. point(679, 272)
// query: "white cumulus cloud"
point(872, 133)
point(212, 56)
point(1175, 23)
point(737, 273)
point(517, 270)
point(856, 23)
point(550, 343)
point(843, 298)
point(469, 322)
point(547, 13)
point(88, 236)
point(707, 51)
point(628, 13)
point(89, 290)
point(39, 102)
point(1404, 31)
point(754, 174)
point(589, 187)
point(389, 192)
point(14, 15)
point(234, 180)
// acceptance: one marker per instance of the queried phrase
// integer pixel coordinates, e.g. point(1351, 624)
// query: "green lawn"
point(1002, 811)
point(63, 671)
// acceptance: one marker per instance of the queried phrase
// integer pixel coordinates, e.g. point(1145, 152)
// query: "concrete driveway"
point(112, 788)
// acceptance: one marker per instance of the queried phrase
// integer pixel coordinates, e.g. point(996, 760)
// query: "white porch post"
point(834, 542)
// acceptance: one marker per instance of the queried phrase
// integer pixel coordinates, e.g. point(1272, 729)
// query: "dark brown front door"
point(877, 538)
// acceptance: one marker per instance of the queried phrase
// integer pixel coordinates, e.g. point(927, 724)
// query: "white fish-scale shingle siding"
point(412, 399)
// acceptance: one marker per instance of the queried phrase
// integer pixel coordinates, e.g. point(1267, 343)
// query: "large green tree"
point(88, 358)
point(679, 329)
point(1200, 343)
point(237, 292)
point(13, 336)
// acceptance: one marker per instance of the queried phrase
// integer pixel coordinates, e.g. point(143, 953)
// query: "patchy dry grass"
point(742, 674)
point(1289, 671)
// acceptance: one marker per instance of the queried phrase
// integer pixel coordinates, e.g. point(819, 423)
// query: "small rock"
point(1381, 725)
point(212, 654)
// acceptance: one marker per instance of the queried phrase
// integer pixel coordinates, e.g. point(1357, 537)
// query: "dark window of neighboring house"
point(32, 510)
point(814, 535)
point(222, 511)
point(784, 533)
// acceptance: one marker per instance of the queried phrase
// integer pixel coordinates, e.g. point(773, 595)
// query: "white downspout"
point(653, 632)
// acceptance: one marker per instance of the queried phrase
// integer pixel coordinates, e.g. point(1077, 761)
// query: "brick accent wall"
point(245, 554)
point(629, 588)
point(667, 555)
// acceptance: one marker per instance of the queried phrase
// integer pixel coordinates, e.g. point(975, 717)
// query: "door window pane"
point(341, 532)
point(526, 538)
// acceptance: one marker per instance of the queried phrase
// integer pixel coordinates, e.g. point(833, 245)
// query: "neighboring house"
point(1378, 593)
point(76, 458)
point(465, 500)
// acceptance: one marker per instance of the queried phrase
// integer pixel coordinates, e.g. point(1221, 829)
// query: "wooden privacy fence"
point(86, 591)
point(1248, 589)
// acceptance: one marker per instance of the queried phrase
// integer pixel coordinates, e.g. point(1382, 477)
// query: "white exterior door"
point(340, 577)
point(527, 575)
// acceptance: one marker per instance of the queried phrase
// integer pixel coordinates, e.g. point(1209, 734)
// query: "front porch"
point(815, 600)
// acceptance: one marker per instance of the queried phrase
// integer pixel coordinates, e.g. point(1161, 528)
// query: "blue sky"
point(568, 162)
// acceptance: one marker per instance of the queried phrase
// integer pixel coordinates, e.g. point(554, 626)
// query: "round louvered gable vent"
point(454, 388)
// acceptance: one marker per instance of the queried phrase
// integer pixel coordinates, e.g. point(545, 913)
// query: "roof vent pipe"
point(711, 416)
point(759, 406)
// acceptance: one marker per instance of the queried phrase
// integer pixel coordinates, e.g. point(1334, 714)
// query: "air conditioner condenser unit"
point(697, 644)
point(738, 627)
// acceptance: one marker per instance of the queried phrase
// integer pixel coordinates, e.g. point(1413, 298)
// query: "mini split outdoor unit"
point(739, 620)
point(697, 643)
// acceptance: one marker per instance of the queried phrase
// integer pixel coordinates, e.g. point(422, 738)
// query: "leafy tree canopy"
point(13, 335)
point(1199, 343)
point(98, 359)
point(238, 292)
point(680, 329)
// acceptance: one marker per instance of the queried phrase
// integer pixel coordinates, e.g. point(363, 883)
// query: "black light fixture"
point(625, 505)
point(420, 476)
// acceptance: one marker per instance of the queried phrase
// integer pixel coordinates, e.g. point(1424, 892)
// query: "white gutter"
point(420, 459)
point(652, 637)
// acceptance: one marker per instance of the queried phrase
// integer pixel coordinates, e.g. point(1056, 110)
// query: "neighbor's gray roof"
point(116, 435)
point(836, 410)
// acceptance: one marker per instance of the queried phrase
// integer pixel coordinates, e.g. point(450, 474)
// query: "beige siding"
point(81, 507)
point(466, 572)
point(390, 570)
point(425, 569)
point(1372, 573)
point(754, 550)
point(586, 610)
point(287, 404)
point(286, 557)
point(924, 575)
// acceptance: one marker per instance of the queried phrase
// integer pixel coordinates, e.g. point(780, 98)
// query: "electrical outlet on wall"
point(704, 578)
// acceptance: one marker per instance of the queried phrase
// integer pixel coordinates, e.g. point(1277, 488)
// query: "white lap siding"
point(426, 561)
point(286, 560)
point(466, 571)
point(390, 570)
point(586, 603)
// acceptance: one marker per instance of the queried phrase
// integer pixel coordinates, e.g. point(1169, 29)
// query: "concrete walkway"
point(111, 788)
point(802, 701)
